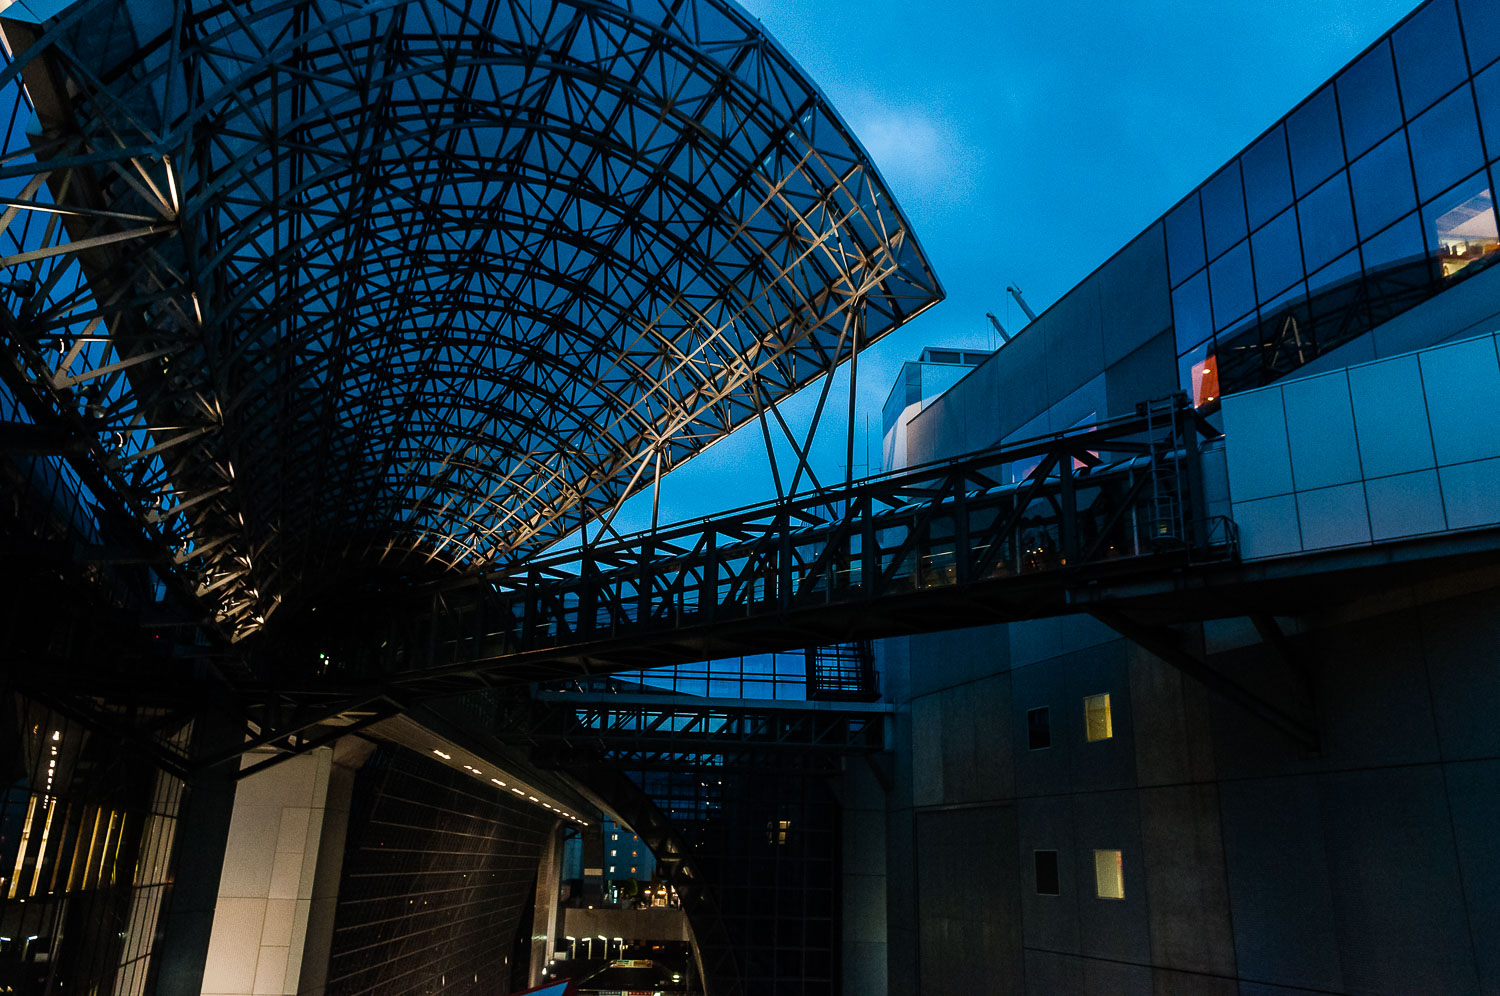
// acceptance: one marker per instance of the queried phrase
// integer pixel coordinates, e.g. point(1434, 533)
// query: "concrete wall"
point(1250, 865)
point(266, 888)
point(1118, 321)
point(545, 913)
point(657, 923)
point(1378, 451)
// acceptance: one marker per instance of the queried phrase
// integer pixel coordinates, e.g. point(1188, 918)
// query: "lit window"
point(1198, 369)
point(612, 853)
point(611, 869)
point(634, 854)
point(1463, 222)
point(1096, 718)
point(1046, 873)
point(1038, 728)
point(1206, 382)
point(632, 870)
point(776, 831)
point(1109, 874)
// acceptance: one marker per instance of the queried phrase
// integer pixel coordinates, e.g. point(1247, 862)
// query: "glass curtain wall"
point(766, 835)
point(87, 834)
point(758, 676)
point(1373, 195)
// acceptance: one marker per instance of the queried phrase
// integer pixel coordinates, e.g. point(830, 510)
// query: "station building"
point(1268, 771)
point(1070, 812)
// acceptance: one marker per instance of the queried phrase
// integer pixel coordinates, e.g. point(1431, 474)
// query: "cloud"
point(918, 153)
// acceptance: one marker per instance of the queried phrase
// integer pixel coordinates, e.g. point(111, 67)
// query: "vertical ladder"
point(1165, 525)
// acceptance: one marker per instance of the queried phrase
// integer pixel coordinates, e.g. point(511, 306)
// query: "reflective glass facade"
point(1374, 194)
point(768, 839)
point(87, 833)
point(758, 676)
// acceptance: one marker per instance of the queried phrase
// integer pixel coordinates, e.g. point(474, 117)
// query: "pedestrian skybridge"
point(1012, 529)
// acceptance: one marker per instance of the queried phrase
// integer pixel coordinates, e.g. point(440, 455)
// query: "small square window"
point(1038, 728)
point(1046, 873)
point(1096, 718)
point(1109, 874)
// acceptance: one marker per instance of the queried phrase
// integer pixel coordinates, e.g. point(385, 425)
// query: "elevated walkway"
point(1004, 534)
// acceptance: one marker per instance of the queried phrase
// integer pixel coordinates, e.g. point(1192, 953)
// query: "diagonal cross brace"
point(1164, 643)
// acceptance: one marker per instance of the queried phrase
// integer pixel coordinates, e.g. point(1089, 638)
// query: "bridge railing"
point(1059, 504)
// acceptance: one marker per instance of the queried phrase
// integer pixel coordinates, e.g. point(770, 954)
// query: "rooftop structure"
point(422, 289)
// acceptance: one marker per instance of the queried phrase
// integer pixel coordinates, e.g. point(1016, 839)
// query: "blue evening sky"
point(1027, 142)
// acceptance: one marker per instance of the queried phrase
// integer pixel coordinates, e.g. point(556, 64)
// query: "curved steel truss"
point(419, 285)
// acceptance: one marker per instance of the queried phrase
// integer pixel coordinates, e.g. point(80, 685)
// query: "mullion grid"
point(758, 676)
point(651, 192)
point(777, 900)
point(90, 882)
point(1401, 295)
point(682, 383)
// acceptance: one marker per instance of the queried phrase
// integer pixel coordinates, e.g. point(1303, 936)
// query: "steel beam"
point(1162, 642)
point(961, 535)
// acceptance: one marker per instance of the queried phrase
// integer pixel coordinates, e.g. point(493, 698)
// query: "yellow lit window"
point(15, 878)
point(1096, 719)
point(612, 853)
point(1109, 874)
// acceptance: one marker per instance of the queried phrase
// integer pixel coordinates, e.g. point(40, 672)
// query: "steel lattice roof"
point(424, 283)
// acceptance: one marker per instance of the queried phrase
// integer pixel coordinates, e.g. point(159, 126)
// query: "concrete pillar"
point(593, 864)
point(548, 885)
point(864, 926)
point(201, 835)
point(349, 755)
point(281, 863)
